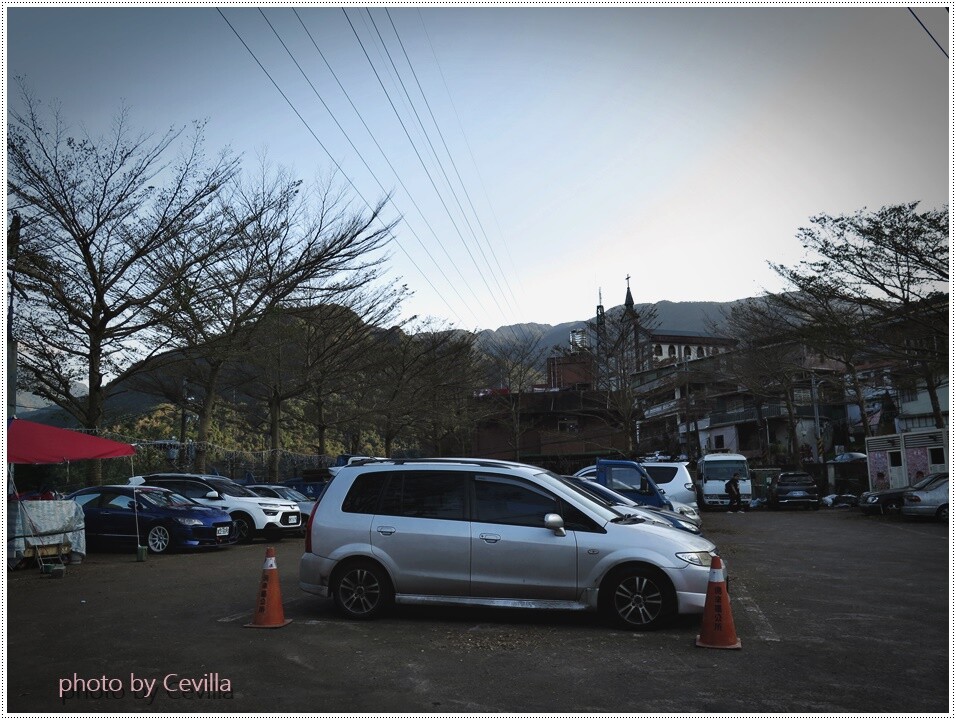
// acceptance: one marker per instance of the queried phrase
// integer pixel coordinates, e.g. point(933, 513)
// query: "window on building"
point(718, 442)
point(700, 351)
point(908, 395)
point(658, 350)
point(687, 351)
point(671, 351)
point(568, 425)
point(937, 456)
point(896, 458)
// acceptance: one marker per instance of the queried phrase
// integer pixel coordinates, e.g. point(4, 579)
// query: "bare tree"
point(514, 365)
point(886, 272)
point(109, 226)
point(291, 245)
point(415, 371)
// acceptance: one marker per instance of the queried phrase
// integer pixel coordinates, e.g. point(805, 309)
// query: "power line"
point(389, 163)
point(450, 158)
point(358, 152)
point(326, 150)
point(928, 32)
point(420, 159)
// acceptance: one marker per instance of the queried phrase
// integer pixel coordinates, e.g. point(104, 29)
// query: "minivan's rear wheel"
point(637, 597)
point(362, 590)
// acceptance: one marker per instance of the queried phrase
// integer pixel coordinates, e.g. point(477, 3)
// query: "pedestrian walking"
point(732, 488)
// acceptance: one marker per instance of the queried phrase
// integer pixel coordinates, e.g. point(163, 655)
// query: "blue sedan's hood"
point(202, 512)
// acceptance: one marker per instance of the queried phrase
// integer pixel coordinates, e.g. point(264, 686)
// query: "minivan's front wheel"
point(362, 590)
point(637, 597)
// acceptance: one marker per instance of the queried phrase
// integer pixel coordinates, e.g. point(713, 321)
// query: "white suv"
point(493, 533)
point(252, 513)
point(675, 480)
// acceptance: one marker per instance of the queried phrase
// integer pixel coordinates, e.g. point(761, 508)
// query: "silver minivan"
point(493, 533)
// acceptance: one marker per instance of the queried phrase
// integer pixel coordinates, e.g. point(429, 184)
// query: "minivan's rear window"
point(363, 496)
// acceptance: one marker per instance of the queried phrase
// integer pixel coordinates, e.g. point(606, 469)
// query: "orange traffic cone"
point(717, 629)
point(269, 612)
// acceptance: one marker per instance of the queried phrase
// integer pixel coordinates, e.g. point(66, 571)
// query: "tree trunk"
point(860, 401)
point(210, 389)
point(94, 407)
point(762, 430)
point(275, 410)
point(796, 457)
point(930, 379)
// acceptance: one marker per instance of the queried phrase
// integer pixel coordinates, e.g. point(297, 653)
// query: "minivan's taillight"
point(308, 528)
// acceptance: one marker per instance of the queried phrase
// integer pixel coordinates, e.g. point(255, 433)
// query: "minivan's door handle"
point(385, 529)
point(490, 537)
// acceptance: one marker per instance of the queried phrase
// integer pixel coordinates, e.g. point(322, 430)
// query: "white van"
point(713, 472)
point(675, 480)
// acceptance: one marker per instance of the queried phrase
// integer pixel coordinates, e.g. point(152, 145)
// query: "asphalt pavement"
point(836, 613)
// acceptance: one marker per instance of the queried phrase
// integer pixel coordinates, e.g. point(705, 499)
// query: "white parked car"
point(252, 513)
point(498, 534)
point(931, 500)
point(675, 480)
point(689, 510)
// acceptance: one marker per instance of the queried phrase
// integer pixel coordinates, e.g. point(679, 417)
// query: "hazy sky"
point(681, 146)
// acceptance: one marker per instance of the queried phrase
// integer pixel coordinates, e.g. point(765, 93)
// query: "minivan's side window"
point(435, 494)
point(363, 496)
point(500, 500)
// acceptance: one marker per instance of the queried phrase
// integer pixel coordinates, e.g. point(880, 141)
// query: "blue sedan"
point(126, 516)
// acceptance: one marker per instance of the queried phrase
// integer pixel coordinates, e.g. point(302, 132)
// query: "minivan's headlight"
point(701, 558)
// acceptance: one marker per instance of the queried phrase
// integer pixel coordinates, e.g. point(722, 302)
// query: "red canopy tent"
point(35, 444)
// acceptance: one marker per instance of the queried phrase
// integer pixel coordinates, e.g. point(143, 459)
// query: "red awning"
point(35, 444)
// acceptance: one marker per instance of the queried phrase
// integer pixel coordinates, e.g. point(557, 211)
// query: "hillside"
point(688, 316)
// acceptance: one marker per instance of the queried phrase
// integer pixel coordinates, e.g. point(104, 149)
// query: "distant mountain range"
point(687, 316)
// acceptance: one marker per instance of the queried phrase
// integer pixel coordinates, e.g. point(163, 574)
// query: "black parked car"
point(793, 489)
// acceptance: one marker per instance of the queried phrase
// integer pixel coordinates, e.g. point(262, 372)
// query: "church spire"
point(629, 299)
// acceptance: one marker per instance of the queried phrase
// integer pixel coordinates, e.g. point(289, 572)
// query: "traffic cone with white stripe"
point(717, 628)
point(269, 613)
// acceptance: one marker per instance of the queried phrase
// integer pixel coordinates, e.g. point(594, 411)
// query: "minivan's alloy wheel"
point(158, 539)
point(362, 590)
point(637, 597)
point(245, 528)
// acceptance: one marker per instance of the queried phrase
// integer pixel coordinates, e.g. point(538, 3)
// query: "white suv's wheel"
point(245, 527)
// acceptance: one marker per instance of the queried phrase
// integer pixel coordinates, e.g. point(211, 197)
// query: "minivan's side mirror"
point(212, 495)
point(555, 522)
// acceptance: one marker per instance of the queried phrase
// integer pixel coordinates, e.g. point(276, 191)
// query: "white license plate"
point(222, 530)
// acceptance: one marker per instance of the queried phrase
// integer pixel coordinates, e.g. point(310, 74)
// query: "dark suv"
point(793, 489)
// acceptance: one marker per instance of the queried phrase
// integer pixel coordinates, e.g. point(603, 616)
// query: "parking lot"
point(836, 612)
